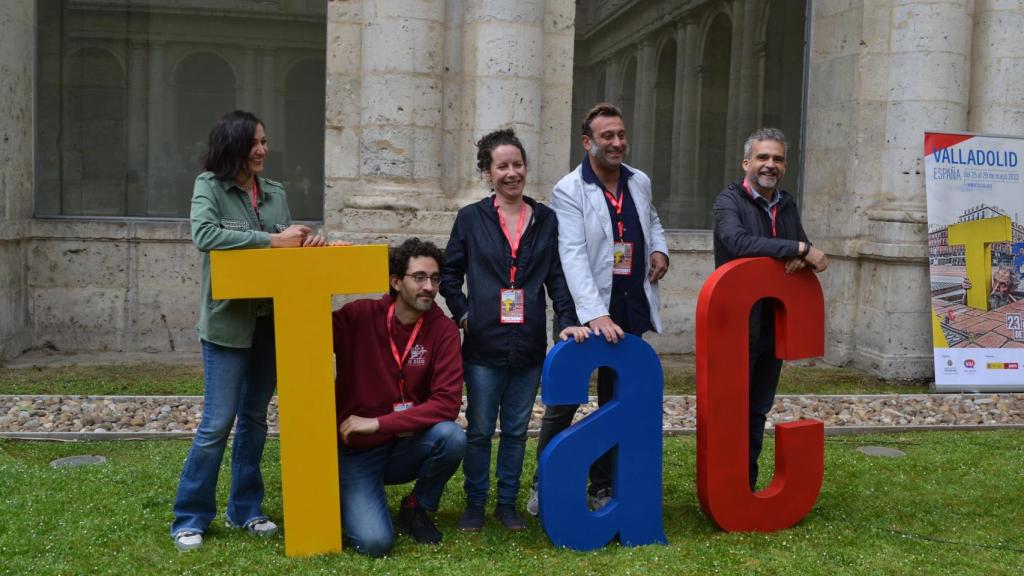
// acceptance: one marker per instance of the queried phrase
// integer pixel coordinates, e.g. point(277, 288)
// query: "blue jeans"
point(491, 391)
point(238, 383)
point(430, 458)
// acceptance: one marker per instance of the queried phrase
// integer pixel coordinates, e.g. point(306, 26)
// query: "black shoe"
point(414, 521)
point(509, 518)
point(472, 519)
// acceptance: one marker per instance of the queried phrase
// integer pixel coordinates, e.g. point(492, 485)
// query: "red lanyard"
point(512, 242)
point(617, 204)
point(774, 209)
point(400, 360)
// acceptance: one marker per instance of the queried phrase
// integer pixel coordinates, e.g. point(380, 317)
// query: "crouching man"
point(398, 391)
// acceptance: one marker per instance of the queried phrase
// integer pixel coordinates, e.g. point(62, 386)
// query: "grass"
point(952, 505)
point(187, 380)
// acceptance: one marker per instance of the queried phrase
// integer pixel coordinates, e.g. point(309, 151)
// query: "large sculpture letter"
point(631, 420)
point(301, 282)
point(977, 237)
point(723, 316)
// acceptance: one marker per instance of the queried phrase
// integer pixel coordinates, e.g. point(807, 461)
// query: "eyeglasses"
point(422, 277)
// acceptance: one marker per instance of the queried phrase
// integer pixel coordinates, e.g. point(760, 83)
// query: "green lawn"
point(187, 380)
point(953, 505)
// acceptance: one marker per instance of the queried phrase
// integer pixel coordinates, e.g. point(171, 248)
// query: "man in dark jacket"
point(398, 391)
point(753, 217)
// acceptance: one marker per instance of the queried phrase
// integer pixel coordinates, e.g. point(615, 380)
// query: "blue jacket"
point(478, 253)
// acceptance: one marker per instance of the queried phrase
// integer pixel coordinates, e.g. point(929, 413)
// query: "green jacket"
point(223, 219)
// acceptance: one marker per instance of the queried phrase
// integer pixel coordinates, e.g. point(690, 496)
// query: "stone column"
point(997, 58)
point(267, 100)
point(642, 134)
point(245, 88)
point(613, 81)
point(135, 178)
point(503, 80)
point(675, 205)
point(160, 171)
point(733, 154)
point(557, 120)
point(688, 87)
point(929, 68)
point(18, 53)
point(751, 61)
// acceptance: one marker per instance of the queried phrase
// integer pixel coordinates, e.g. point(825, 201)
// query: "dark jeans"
point(430, 458)
point(764, 379)
point(238, 384)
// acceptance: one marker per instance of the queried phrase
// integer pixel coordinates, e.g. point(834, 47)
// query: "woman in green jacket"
point(234, 207)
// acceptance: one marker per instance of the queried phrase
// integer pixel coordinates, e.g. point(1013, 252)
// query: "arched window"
point(712, 118)
point(303, 158)
point(92, 141)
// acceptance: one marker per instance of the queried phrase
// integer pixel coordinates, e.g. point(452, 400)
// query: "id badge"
point(401, 406)
point(623, 254)
point(513, 306)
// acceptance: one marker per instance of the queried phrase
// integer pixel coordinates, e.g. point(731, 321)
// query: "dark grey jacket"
point(743, 229)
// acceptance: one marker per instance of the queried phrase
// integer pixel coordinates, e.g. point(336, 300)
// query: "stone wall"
point(16, 53)
point(412, 84)
point(123, 286)
point(881, 73)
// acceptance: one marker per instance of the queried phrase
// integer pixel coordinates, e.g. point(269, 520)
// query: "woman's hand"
point(577, 333)
point(313, 241)
point(292, 237)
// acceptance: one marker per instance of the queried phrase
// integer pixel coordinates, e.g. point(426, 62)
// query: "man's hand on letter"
point(603, 326)
point(817, 259)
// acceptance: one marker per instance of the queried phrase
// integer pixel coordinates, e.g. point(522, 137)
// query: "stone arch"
point(664, 114)
point(713, 111)
point(93, 137)
point(303, 152)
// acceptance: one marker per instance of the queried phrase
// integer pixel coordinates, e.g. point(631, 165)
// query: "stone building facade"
point(411, 84)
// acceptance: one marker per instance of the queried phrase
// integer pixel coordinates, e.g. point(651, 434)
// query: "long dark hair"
point(230, 143)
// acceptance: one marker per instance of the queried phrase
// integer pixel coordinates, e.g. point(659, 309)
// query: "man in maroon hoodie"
point(398, 390)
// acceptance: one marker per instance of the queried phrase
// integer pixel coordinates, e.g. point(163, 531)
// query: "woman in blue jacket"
point(506, 249)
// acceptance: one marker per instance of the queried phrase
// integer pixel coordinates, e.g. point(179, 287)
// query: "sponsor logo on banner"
point(969, 363)
point(1003, 366)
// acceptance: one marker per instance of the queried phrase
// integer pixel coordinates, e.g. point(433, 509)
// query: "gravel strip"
point(76, 417)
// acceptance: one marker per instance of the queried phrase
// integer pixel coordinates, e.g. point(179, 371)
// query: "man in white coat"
point(613, 253)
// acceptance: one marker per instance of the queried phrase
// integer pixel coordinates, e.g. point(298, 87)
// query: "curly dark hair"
point(398, 261)
point(488, 143)
point(230, 143)
point(602, 109)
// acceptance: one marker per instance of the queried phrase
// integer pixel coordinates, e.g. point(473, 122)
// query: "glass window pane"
point(128, 90)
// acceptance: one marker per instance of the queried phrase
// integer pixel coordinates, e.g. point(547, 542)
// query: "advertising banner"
point(976, 260)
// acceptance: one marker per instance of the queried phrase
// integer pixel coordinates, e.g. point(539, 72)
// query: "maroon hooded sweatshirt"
point(367, 381)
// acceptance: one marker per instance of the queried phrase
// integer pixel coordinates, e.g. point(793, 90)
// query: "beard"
point(414, 302)
point(768, 180)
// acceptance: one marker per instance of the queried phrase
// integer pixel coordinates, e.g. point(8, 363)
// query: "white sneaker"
point(187, 540)
point(601, 498)
point(533, 504)
point(261, 527)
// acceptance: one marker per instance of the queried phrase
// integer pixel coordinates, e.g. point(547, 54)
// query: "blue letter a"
point(631, 421)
